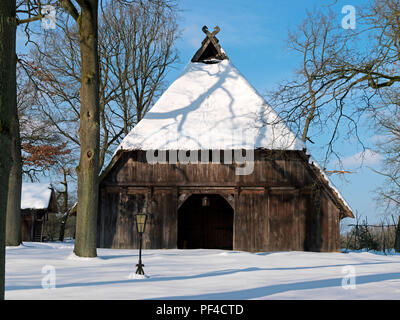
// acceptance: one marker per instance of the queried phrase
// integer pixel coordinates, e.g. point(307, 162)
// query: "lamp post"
point(141, 219)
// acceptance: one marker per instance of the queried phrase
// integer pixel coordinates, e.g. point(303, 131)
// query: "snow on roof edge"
point(314, 162)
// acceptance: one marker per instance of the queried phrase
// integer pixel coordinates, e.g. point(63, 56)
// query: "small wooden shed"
point(37, 201)
point(215, 168)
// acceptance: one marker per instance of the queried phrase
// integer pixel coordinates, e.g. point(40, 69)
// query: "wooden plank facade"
point(285, 204)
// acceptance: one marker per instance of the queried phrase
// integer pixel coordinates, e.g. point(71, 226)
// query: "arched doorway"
point(207, 227)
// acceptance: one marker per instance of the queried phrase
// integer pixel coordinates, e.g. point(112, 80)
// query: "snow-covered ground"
point(198, 274)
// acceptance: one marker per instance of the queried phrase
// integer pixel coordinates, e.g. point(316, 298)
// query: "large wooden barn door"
point(208, 227)
point(251, 221)
point(285, 220)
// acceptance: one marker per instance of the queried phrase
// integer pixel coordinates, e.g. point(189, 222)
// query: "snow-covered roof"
point(35, 195)
point(210, 106)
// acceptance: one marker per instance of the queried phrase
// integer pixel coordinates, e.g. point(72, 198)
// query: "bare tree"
point(313, 41)
point(314, 101)
point(389, 145)
point(89, 130)
point(93, 99)
point(388, 126)
point(9, 128)
point(345, 74)
point(26, 11)
point(136, 48)
point(37, 134)
point(137, 45)
point(340, 77)
point(83, 45)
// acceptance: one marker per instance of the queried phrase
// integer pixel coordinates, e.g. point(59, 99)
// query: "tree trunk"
point(65, 192)
point(7, 106)
point(65, 207)
point(397, 241)
point(310, 115)
point(62, 226)
point(87, 170)
point(13, 220)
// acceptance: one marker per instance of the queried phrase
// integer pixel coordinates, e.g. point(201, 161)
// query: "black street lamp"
point(141, 219)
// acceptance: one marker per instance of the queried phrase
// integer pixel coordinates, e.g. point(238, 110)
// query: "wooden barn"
point(37, 201)
point(214, 167)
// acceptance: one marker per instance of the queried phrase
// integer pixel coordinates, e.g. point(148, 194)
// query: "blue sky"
point(253, 34)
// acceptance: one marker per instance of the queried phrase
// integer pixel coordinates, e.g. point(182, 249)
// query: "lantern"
point(141, 219)
point(205, 202)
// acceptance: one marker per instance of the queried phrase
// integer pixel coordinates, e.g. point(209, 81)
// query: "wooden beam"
point(182, 198)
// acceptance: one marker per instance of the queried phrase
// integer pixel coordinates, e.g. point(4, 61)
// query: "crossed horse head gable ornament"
point(210, 51)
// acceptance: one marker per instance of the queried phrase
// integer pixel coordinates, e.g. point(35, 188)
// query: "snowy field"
point(198, 274)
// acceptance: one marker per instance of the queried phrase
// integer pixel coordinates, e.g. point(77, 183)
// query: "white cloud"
point(366, 158)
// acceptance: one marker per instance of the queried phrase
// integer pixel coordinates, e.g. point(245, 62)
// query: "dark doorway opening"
point(207, 227)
